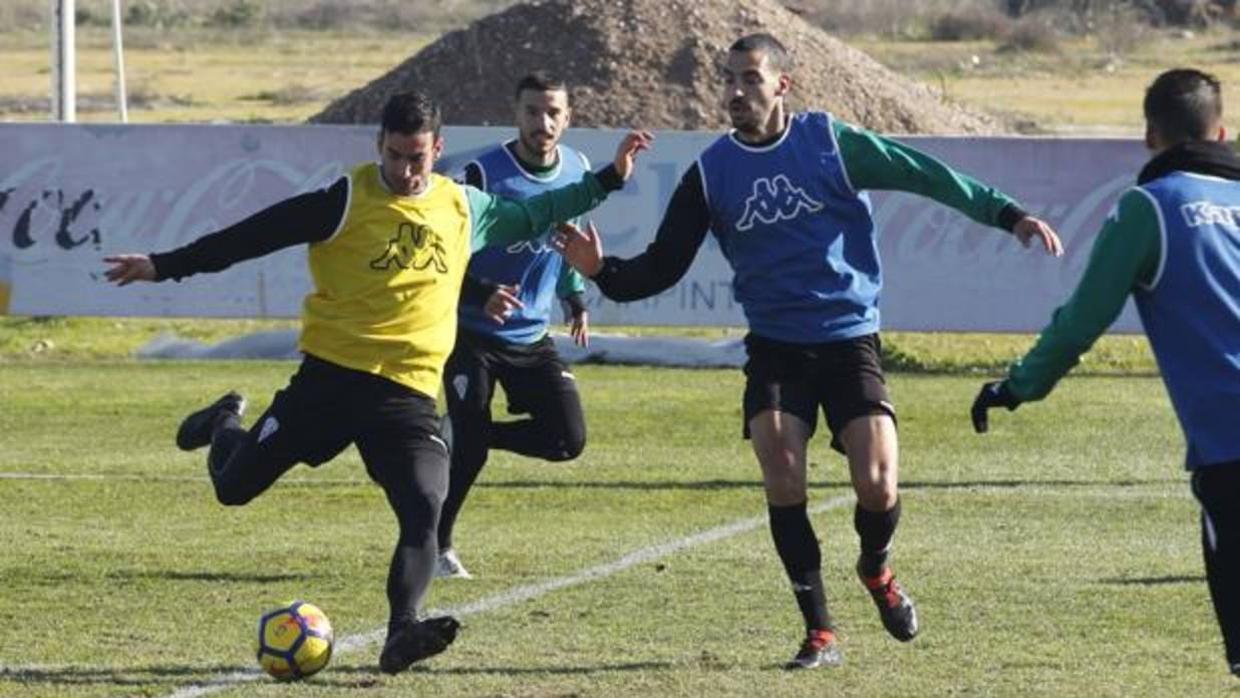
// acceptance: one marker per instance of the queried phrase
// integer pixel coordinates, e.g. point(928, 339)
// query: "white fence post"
point(118, 55)
point(64, 77)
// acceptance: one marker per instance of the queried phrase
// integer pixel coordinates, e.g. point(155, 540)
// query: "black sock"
point(876, 529)
point(798, 549)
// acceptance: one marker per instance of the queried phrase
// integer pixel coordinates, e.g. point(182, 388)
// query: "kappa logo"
point(1198, 213)
point(536, 246)
point(413, 247)
point(775, 199)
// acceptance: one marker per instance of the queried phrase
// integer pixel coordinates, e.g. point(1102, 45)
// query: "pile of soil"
point(650, 64)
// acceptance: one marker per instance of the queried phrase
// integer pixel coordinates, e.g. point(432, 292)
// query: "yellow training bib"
point(387, 283)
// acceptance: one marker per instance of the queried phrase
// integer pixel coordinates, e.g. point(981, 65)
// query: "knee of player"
point(877, 497)
point(571, 446)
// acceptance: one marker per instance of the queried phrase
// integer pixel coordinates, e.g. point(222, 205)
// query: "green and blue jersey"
point(532, 265)
point(1173, 243)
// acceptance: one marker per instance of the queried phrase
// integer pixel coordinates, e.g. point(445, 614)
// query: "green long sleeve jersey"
point(1125, 254)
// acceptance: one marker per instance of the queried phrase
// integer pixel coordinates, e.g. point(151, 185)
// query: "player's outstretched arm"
point(993, 394)
point(302, 219)
point(582, 249)
point(1126, 253)
point(879, 163)
point(665, 260)
point(633, 143)
point(1030, 228)
point(128, 268)
point(498, 220)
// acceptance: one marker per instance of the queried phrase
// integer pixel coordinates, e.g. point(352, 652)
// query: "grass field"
point(1056, 555)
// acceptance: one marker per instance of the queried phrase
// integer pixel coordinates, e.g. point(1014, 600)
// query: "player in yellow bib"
point(389, 244)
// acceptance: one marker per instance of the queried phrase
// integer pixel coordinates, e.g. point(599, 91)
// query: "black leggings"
point(324, 409)
point(1217, 487)
point(536, 382)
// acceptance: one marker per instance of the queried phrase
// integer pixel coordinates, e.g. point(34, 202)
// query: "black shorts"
point(533, 375)
point(845, 378)
point(326, 407)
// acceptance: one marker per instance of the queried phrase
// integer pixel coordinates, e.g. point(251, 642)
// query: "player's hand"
point(1028, 228)
point(634, 142)
point(502, 303)
point(580, 329)
point(994, 394)
point(583, 249)
point(128, 268)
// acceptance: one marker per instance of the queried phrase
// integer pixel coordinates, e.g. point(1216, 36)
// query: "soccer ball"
point(294, 641)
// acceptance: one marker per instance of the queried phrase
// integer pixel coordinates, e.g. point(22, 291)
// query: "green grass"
point(1056, 555)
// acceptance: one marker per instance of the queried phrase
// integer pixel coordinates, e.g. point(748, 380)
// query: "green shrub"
point(236, 14)
point(1032, 36)
point(155, 13)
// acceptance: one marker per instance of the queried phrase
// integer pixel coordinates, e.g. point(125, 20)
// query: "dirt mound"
point(649, 63)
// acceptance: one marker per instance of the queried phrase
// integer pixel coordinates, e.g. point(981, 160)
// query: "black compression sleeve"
point(473, 176)
point(1010, 215)
point(305, 218)
point(666, 259)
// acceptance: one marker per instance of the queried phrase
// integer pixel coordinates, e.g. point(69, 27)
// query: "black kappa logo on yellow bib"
point(413, 247)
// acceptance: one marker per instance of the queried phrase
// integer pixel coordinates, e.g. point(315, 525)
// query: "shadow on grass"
point(173, 675)
point(547, 670)
point(116, 676)
point(1155, 581)
point(203, 576)
point(203, 675)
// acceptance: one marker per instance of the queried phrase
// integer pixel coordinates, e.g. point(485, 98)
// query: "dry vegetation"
point(909, 19)
point(1045, 66)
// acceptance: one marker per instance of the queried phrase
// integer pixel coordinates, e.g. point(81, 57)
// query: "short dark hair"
point(1184, 105)
point(540, 81)
point(411, 113)
point(767, 44)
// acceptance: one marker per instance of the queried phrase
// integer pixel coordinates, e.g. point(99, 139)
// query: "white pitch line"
point(527, 592)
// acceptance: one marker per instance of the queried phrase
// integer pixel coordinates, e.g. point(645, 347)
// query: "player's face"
point(752, 88)
point(407, 160)
point(541, 120)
